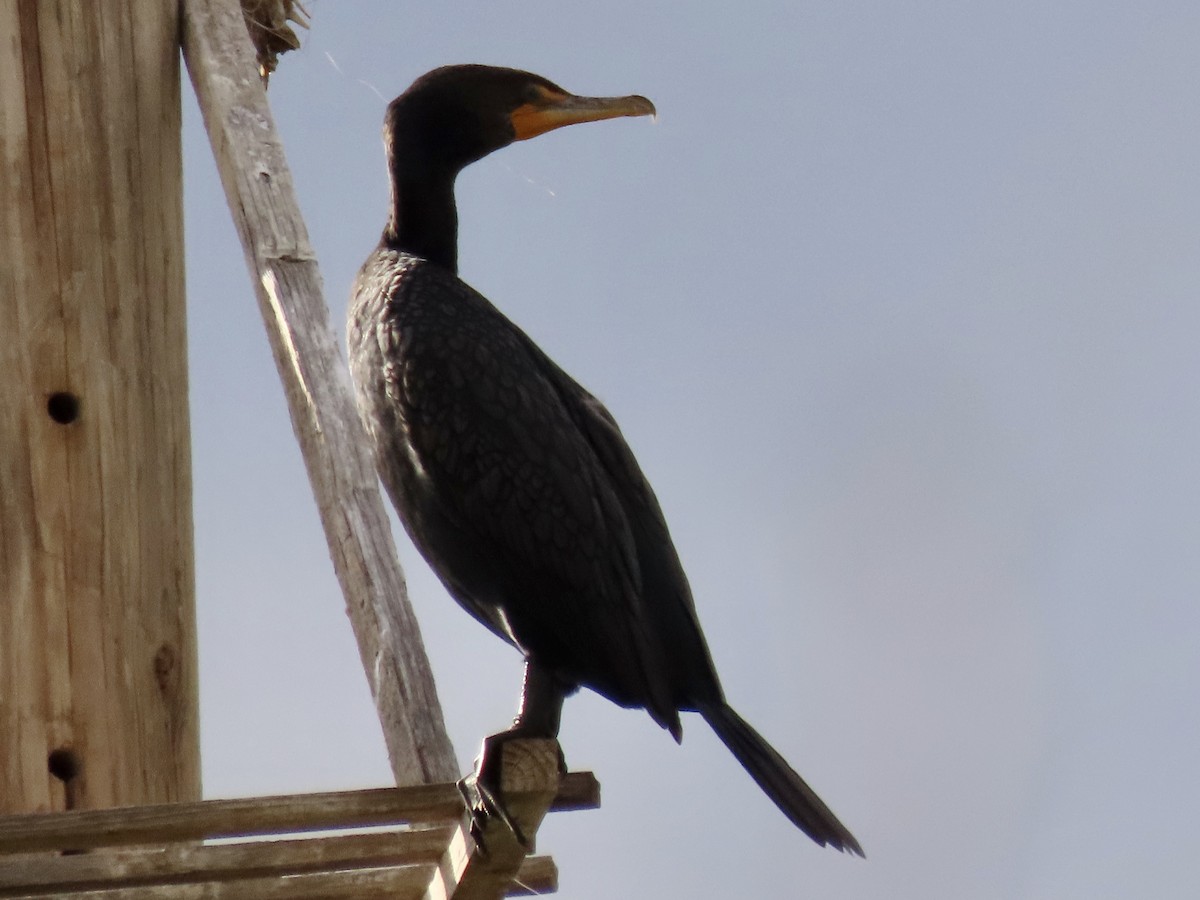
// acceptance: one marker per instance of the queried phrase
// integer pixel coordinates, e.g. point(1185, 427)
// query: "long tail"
point(796, 799)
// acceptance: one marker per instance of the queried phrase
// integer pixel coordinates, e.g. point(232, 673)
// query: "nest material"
point(267, 21)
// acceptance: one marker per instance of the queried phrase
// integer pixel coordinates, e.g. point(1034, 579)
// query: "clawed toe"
point(481, 792)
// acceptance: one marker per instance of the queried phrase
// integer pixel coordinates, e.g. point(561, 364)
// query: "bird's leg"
point(539, 716)
point(542, 698)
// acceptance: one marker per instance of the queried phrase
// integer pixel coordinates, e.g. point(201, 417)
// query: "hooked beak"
point(554, 110)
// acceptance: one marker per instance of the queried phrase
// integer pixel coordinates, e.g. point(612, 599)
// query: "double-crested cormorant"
point(512, 480)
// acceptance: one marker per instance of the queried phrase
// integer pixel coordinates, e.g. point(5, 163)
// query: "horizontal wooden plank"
point(285, 814)
point(169, 822)
point(538, 875)
point(182, 863)
point(405, 883)
point(576, 790)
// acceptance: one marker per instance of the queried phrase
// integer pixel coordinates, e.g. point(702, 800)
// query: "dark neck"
point(423, 220)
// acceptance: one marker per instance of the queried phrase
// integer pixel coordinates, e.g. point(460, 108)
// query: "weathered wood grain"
point(426, 851)
point(403, 883)
point(170, 822)
point(97, 629)
point(179, 864)
point(284, 814)
point(287, 283)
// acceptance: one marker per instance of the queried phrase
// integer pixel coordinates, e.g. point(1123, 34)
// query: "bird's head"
point(455, 115)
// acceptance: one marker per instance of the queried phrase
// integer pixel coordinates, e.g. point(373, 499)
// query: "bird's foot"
point(482, 790)
point(484, 807)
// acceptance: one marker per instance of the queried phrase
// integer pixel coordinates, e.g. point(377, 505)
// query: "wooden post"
point(98, 682)
point(287, 282)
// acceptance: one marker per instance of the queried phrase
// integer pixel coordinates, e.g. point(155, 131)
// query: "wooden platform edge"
point(241, 817)
point(429, 851)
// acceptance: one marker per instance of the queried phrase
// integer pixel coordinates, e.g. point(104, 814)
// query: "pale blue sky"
point(897, 305)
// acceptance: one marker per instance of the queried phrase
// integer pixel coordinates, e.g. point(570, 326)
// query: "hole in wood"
point(166, 668)
point(63, 407)
point(64, 764)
